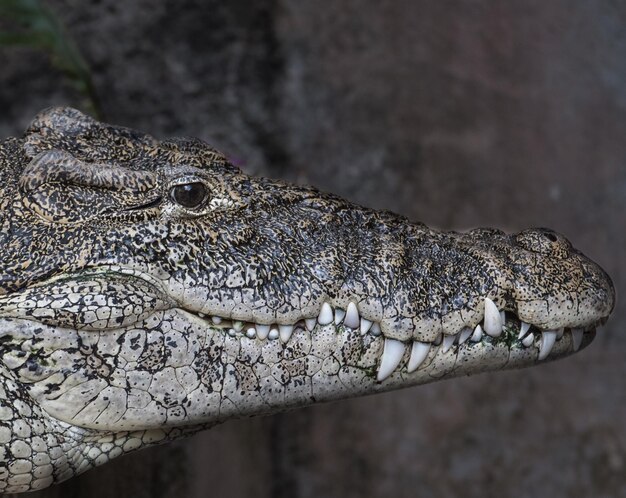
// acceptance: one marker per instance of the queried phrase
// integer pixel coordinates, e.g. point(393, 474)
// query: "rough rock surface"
point(455, 113)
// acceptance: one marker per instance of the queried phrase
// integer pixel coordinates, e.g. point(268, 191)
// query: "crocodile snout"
point(564, 289)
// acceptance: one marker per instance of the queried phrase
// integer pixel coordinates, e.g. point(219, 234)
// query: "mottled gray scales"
point(149, 289)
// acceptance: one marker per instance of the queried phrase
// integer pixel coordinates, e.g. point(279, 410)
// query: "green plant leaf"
point(35, 26)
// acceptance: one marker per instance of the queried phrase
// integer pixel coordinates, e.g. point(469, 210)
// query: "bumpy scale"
point(149, 289)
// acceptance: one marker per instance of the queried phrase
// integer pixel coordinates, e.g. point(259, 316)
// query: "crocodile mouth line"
point(496, 328)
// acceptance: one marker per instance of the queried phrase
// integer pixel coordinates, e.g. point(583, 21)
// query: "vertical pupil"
point(189, 195)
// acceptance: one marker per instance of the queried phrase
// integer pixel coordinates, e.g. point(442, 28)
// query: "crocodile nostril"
point(544, 241)
point(550, 236)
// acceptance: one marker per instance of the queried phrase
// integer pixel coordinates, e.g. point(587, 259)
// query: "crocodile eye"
point(189, 195)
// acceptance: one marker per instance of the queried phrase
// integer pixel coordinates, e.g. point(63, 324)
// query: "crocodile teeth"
point(493, 320)
point(528, 340)
point(310, 323)
point(285, 332)
point(464, 335)
point(547, 341)
point(263, 331)
point(251, 332)
point(339, 315)
point(273, 334)
point(238, 326)
point(216, 320)
point(577, 338)
point(419, 352)
point(392, 355)
point(523, 329)
point(326, 314)
point(375, 330)
point(478, 334)
point(201, 315)
point(366, 325)
point(352, 316)
point(448, 341)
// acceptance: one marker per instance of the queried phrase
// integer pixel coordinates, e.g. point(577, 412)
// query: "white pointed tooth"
point(216, 320)
point(559, 333)
point(419, 352)
point(251, 332)
point(310, 323)
point(375, 330)
point(326, 314)
point(523, 329)
point(238, 326)
point(528, 340)
point(273, 335)
point(464, 335)
point(352, 316)
point(392, 355)
point(263, 331)
point(339, 315)
point(503, 317)
point(285, 332)
point(232, 332)
point(493, 320)
point(201, 315)
point(448, 341)
point(477, 335)
point(577, 338)
point(547, 341)
point(366, 325)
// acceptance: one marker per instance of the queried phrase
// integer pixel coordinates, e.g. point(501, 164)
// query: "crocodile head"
point(149, 289)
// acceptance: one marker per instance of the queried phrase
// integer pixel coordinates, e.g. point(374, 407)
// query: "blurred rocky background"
point(456, 113)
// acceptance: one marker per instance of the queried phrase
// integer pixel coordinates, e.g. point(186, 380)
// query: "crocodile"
point(149, 289)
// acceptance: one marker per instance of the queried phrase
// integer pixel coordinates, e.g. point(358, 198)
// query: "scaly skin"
point(150, 289)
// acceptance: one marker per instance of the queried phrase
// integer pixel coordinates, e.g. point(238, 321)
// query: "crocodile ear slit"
point(57, 166)
point(149, 205)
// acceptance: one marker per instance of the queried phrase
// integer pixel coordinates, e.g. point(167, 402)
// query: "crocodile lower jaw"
point(496, 326)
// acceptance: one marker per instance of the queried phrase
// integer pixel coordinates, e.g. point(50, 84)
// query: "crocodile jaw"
point(113, 348)
point(89, 405)
point(178, 368)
